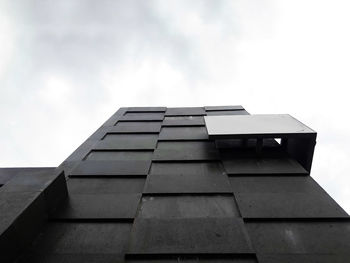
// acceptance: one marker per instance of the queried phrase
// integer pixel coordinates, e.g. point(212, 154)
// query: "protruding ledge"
point(25, 201)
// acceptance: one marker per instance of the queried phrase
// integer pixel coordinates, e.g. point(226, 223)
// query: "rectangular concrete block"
point(189, 236)
point(111, 168)
point(179, 177)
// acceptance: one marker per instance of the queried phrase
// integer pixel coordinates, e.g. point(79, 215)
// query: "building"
point(156, 184)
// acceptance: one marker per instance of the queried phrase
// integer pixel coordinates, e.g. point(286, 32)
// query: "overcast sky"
point(66, 66)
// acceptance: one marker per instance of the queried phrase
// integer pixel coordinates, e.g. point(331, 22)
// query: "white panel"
point(260, 124)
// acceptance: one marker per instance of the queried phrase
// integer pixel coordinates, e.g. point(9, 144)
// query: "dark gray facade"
point(150, 186)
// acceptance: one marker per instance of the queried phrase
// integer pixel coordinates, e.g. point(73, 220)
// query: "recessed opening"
point(251, 143)
point(278, 140)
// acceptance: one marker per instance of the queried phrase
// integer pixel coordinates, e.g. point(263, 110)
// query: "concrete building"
point(156, 184)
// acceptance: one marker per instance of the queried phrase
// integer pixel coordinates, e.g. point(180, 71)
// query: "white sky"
point(66, 66)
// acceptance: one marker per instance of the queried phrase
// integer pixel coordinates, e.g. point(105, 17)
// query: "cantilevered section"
point(297, 140)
